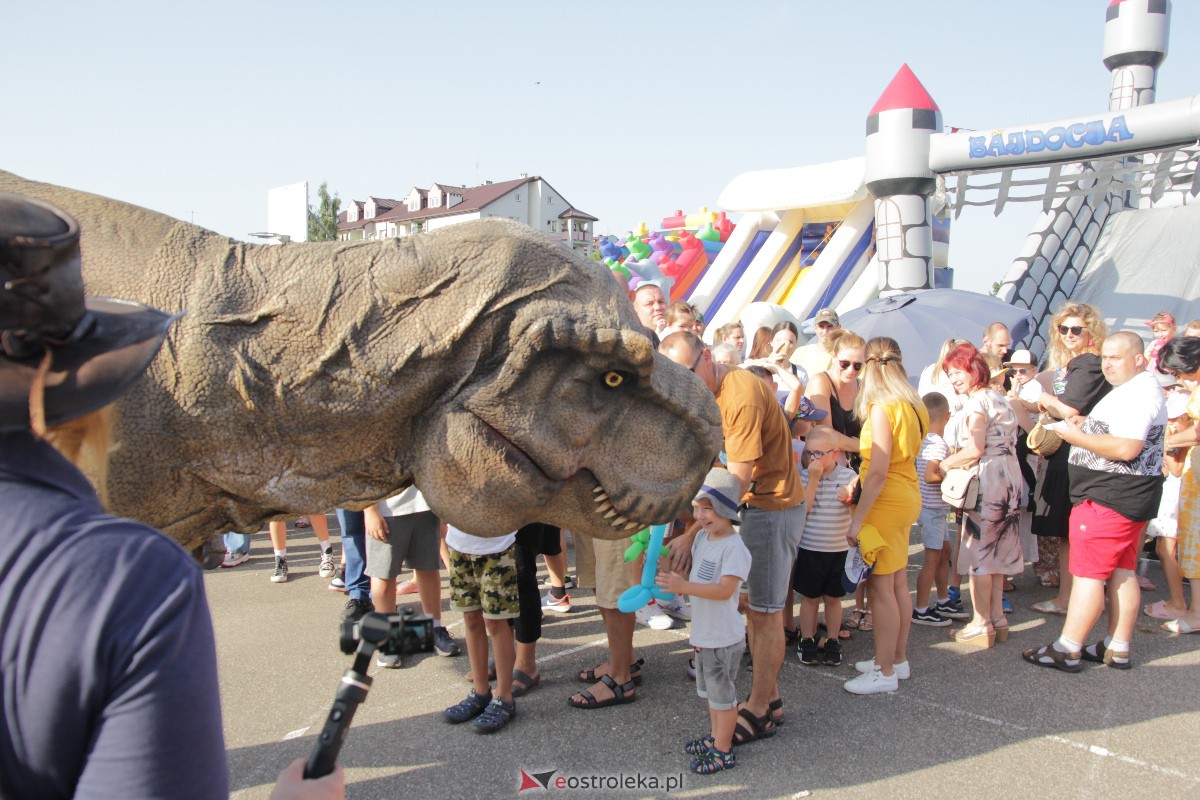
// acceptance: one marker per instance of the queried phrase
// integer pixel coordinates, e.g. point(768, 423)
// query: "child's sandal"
point(698, 746)
point(712, 761)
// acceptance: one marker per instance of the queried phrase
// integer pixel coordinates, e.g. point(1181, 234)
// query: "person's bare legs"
point(903, 614)
point(526, 659)
point(927, 576)
point(807, 622)
point(556, 565)
point(766, 650)
point(723, 723)
point(1065, 579)
point(619, 627)
point(981, 598)
point(383, 595)
point(1165, 548)
point(941, 578)
point(1084, 609)
point(429, 589)
point(477, 650)
point(320, 529)
point(501, 633)
point(1124, 596)
point(886, 612)
point(277, 529)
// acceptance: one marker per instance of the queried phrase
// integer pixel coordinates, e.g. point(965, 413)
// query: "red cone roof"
point(905, 91)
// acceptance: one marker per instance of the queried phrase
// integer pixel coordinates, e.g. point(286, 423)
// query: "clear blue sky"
point(630, 109)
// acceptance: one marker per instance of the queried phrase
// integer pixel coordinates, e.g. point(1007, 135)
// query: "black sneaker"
point(444, 643)
point(951, 609)
point(280, 574)
point(807, 650)
point(357, 609)
point(833, 653)
point(929, 617)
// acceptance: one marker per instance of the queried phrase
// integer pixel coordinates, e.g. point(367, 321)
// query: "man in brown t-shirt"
point(758, 450)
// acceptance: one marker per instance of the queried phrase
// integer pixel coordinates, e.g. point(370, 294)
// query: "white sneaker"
point(902, 670)
point(327, 569)
point(652, 617)
point(873, 682)
point(678, 607)
point(233, 559)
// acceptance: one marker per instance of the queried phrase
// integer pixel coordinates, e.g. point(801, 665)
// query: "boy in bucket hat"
point(130, 645)
point(720, 564)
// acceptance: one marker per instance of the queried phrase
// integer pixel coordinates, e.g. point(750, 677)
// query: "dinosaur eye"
point(613, 379)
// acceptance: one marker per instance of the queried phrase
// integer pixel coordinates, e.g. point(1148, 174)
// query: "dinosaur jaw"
point(525, 464)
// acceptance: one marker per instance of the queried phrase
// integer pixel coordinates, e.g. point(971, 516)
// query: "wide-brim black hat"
point(96, 347)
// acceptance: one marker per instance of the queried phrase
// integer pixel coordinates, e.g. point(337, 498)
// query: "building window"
point(518, 197)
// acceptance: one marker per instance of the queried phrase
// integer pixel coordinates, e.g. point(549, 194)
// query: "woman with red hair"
point(991, 546)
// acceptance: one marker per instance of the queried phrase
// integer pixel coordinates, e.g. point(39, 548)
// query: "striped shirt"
point(828, 520)
point(934, 448)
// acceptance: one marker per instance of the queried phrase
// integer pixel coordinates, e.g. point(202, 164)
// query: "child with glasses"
point(821, 559)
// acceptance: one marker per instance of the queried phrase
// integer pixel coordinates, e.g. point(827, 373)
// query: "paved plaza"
point(983, 723)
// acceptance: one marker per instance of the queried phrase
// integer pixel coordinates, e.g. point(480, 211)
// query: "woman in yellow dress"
point(894, 424)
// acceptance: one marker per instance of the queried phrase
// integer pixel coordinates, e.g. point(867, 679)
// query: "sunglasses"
point(697, 362)
point(1074, 330)
point(858, 365)
point(1018, 370)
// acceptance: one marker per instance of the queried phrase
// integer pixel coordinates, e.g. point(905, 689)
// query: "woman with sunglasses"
point(894, 424)
point(1181, 357)
point(990, 545)
point(1076, 333)
point(835, 391)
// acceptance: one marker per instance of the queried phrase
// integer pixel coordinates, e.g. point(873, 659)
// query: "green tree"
point(322, 225)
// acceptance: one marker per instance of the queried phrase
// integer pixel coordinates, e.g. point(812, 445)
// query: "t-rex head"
point(508, 378)
point(561, 410)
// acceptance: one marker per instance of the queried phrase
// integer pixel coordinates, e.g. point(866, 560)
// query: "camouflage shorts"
point(485, 582)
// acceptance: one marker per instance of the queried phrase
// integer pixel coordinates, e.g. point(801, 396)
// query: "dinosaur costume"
point(506, 377)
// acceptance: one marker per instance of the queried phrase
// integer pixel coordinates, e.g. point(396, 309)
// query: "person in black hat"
point(108, 689)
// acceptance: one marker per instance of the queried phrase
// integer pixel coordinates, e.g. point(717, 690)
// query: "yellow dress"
point(1188, 541)
point(899, 502)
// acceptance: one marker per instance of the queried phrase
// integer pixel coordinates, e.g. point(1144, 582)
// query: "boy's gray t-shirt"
point(717, 623)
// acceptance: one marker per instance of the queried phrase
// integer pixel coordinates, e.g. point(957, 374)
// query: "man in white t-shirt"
point(1115, 468)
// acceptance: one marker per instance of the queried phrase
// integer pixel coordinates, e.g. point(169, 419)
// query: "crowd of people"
point(795, 490)
point(830, 459)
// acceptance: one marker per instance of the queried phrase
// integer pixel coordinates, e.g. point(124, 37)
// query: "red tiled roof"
point(474, 198)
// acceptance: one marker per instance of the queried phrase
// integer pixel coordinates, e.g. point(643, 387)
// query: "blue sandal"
point(468, 709)
point(497, 714)
point(699, 746)
point(712, 761)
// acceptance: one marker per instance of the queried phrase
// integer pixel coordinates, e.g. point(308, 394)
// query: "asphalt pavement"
point(983, 723)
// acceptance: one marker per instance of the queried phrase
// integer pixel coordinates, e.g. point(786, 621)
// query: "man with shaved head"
point(1116, 482)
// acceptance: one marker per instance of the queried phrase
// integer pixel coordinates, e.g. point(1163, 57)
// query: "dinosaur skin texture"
point(506, 377)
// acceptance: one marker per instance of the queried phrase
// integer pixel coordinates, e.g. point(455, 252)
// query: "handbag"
point(1041, 440)
point(960, 488)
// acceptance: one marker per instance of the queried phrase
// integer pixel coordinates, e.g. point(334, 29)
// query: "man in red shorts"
point(1116, 482)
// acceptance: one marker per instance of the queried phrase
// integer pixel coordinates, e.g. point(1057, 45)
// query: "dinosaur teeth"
point(598, 490)
point(633, 526)
point(600, 498)
point(612, 512)
point(619, 521)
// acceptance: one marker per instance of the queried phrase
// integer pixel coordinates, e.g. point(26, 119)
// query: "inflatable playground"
point(1119, 226)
